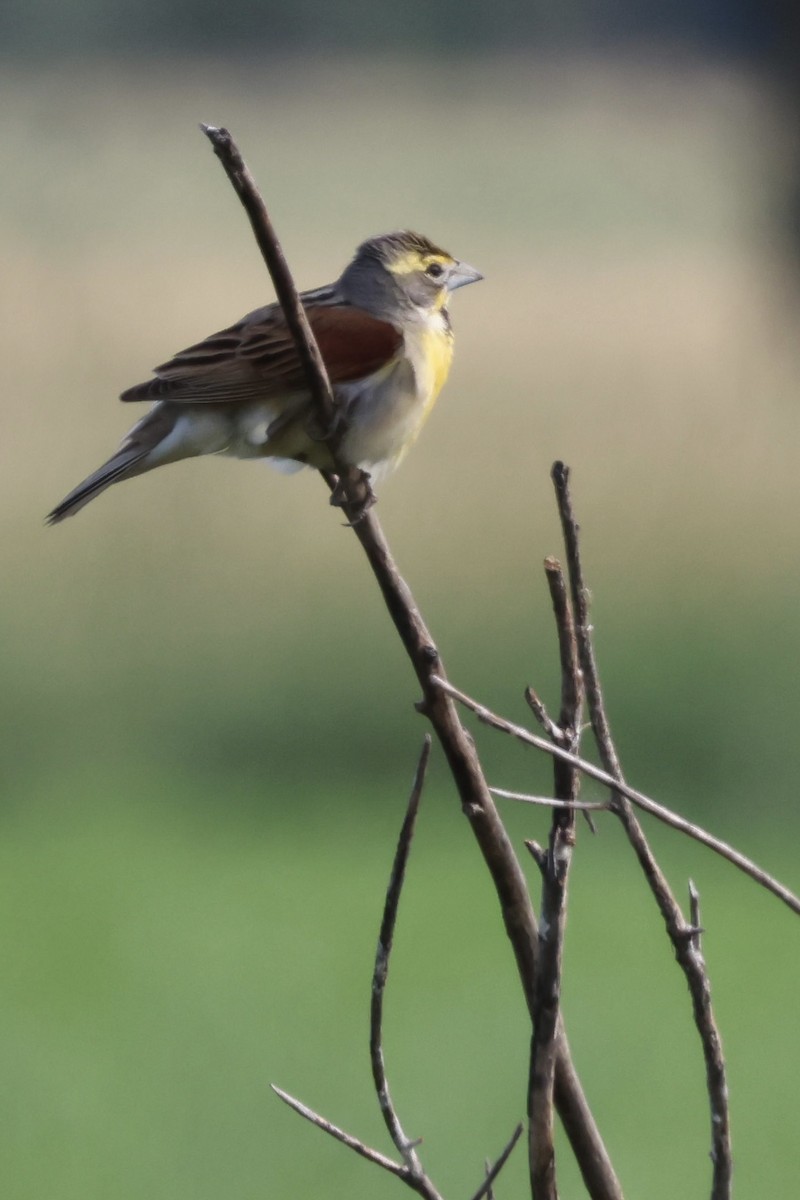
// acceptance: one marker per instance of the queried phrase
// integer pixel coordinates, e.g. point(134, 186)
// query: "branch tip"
point(492, 1172)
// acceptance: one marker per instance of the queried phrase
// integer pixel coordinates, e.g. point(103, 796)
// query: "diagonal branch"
point(476, 801)
point(355, 483)
point(346, 1139)
point(492, 1172)
point(659, 811)
point(244, 185)
point(509, 881)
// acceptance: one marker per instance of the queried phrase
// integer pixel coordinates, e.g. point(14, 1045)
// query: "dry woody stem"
point(402, 1142)
point(553, 913)
point(476, 801)
point(348, 484)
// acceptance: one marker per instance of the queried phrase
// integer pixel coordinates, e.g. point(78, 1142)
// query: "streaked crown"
point(403, 252)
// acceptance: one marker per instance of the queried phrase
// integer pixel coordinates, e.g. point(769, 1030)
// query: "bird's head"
point(404, 272)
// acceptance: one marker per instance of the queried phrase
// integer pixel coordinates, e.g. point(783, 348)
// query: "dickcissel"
point(384, 333)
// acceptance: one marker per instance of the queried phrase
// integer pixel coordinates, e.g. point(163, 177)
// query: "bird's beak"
point(462, 274)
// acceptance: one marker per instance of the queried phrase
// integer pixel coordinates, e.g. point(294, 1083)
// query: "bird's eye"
point(434, 270)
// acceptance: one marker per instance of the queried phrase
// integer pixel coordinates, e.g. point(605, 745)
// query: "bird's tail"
point(146, 446)
point(121, 466)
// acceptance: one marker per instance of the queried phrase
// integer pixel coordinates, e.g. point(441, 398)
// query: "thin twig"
point(328, 415)
point(569, 717)
point(492, 1172)
point(665, 815)
point(345, 1138)
point(476, 802)
point(694, 912)
point(681, 934)
point(552, 923)
point(412, 1172)
point(245, 187)
point(537, 853)
point(537, 707)
point(403, 1143)
point(489, 1193)
point(549, 802)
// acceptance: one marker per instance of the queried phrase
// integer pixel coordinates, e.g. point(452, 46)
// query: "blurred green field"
point(207, 727)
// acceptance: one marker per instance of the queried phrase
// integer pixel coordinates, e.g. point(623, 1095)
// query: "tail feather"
point(121, 466)
point(147, 445)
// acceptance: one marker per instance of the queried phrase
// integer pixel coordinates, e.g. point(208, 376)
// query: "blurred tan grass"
point(631, 323)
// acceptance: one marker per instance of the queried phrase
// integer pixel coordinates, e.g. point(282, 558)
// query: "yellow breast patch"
point(437, 352)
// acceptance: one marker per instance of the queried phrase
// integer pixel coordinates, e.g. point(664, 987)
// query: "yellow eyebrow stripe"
point(404, 264)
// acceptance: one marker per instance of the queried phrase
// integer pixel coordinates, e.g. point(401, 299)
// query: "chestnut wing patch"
point(256, 358)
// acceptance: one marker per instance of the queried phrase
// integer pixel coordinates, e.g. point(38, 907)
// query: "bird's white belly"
point(197, 429)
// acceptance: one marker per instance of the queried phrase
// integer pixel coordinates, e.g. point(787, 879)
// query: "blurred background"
point(208, 727)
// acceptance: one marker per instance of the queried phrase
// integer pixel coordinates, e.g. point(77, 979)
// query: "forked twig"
point(346, 1139)
point(684, 936)
point(537, 853)
point(493, 1171)
point(659, 811)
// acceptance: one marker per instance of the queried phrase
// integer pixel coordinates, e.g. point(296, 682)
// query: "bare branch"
point(537, 707)
point(569, 718)
point(682, 935)
point(492, 1172)
point(345, 1138)
point(694, 912)
point(552, 925)
point(665, 815)
point(537, 853)
point(583, 631)
point(328, 424)
point(244, 185)
point(476, 801)
point(403, 1143)
point(683, 938)
point(549, 802)
point(489, 1193)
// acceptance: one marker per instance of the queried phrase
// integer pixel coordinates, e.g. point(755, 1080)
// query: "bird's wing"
point(256, 358)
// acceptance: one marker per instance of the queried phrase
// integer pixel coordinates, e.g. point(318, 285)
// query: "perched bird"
point(384, 333)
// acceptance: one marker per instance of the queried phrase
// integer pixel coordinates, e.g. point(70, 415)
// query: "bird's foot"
point(353, 492)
